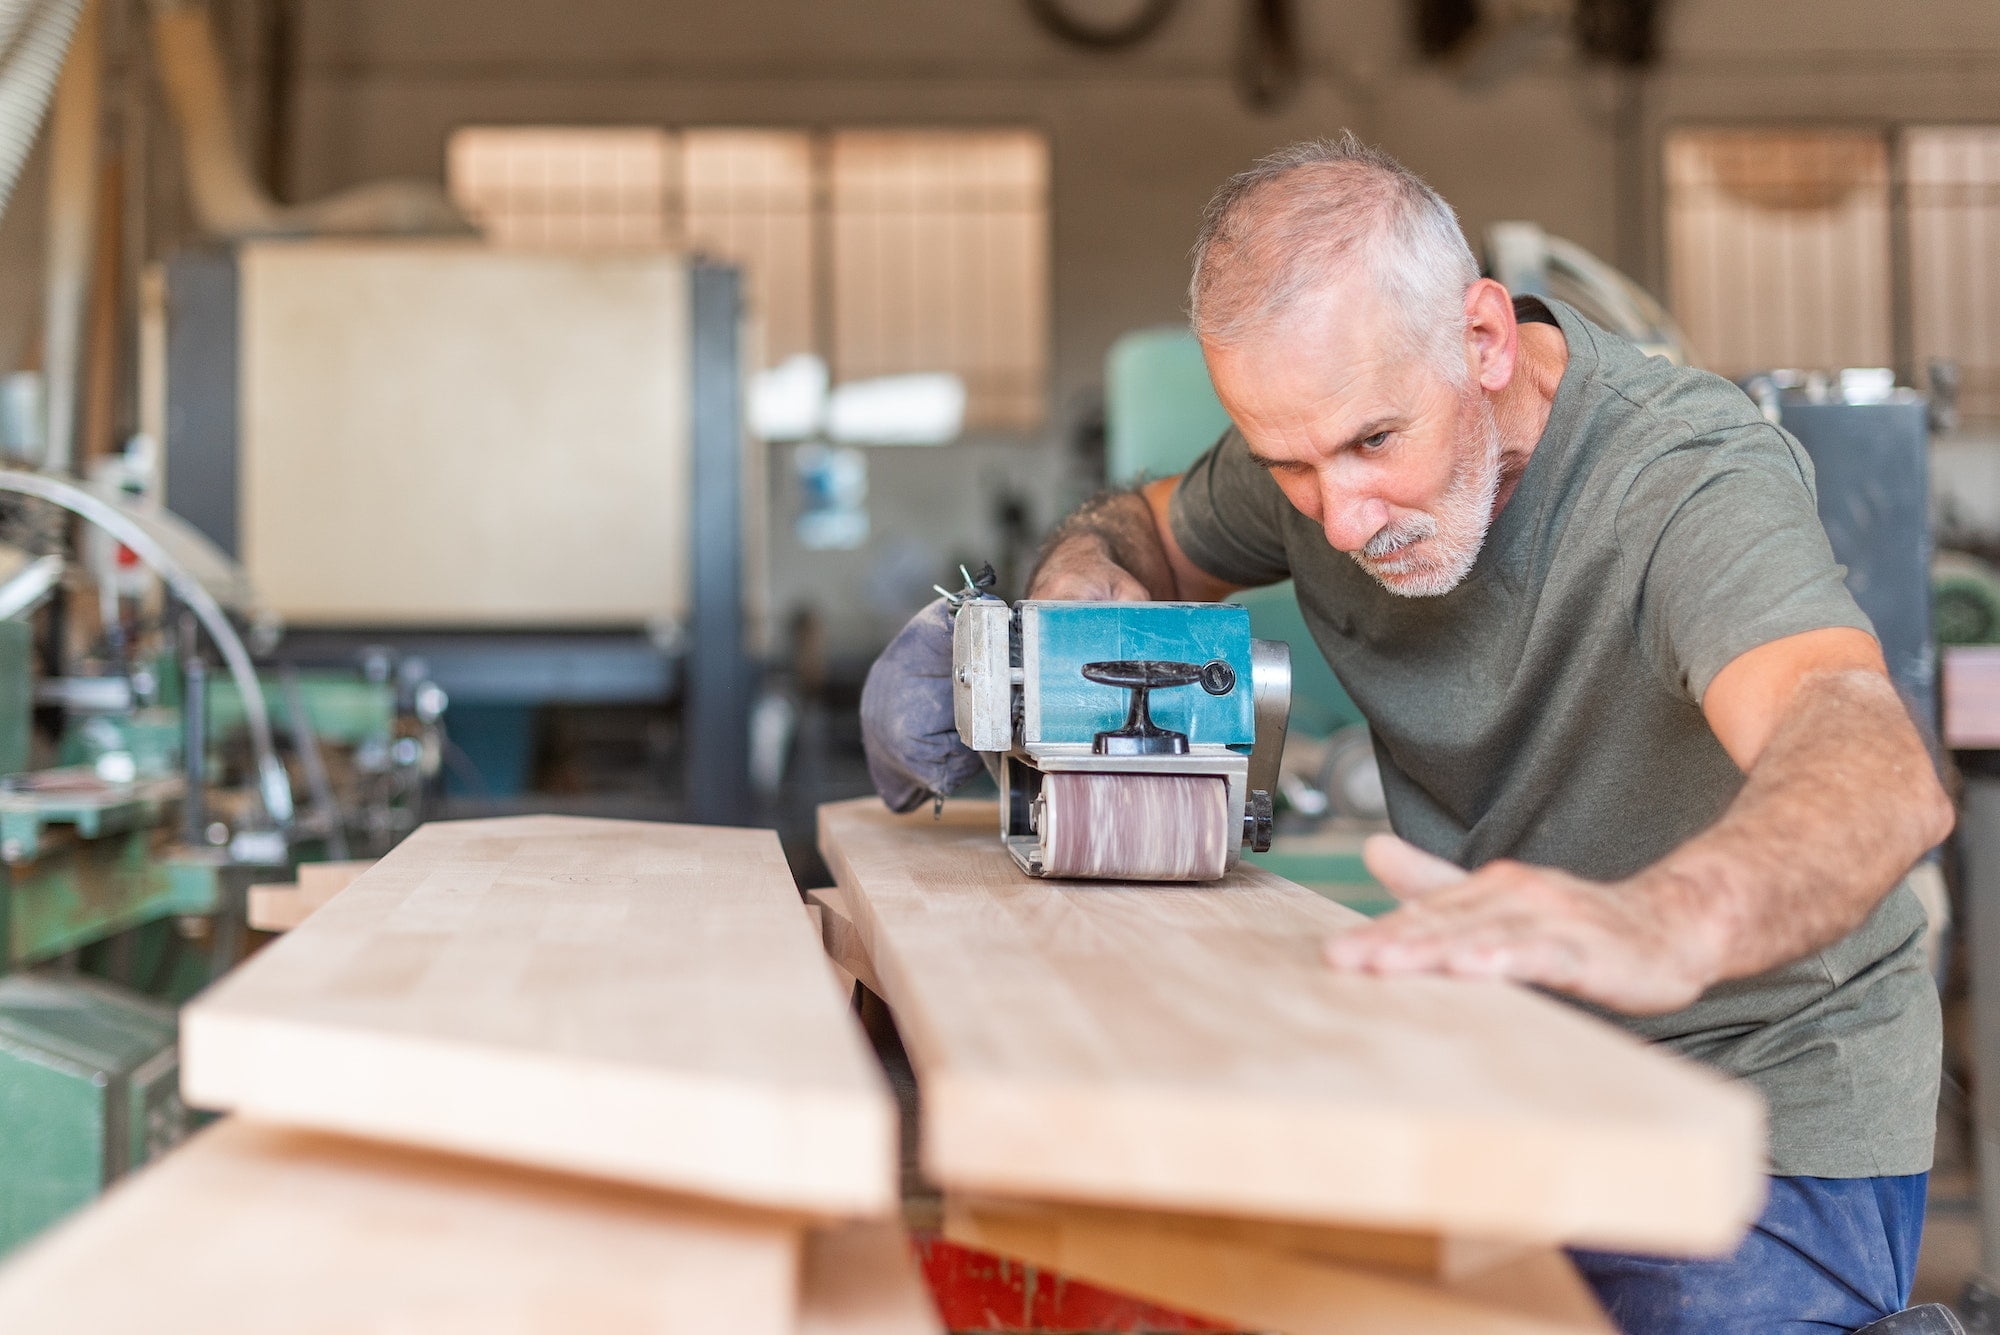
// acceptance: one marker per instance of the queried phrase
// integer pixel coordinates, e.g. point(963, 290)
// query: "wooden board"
point(1269, 1288)
point(275, 908)
point(279, 908)
point(860, 1279)
point(1428, 1256)
point(843, 942)
point(1184, 1048)
point(249, 1229)
point(632, 1000)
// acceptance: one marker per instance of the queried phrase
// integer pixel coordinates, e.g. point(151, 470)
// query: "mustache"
point(1395, 537)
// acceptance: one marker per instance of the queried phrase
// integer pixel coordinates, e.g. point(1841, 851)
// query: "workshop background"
point(442, 408)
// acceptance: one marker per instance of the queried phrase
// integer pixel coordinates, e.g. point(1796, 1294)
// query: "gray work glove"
point(907, 728)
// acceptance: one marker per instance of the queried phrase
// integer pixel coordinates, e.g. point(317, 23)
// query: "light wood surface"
point(484, 437)
point(279, 908)
point(631, 1000)
point(276, 908)
point(251, 1230)
point(860, 1279)
point(1269, 1288)
point(1184, 1048)
point(1428, 1256)
point(843, 942)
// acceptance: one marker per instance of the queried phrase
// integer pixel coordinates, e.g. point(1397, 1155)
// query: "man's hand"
point(1627, 945)
point(1119, 547)
point(1081, 569)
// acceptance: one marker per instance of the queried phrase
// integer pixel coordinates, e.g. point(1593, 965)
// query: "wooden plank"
point(637, 1001)
point(860, 1279)
point(250, 1229)
point(841, 977)
point(324, 880)
point(1184, 1048)
point(843, 942)
point(1270, 1288)
point(275, 908)
point(1428, 1256)
point(279, 908)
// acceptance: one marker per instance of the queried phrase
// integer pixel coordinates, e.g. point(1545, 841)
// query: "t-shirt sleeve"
point(1229, 517)
point(1724, 539)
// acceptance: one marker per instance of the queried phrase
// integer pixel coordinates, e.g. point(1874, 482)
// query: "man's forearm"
point(1838, 805)
point(1117, 529)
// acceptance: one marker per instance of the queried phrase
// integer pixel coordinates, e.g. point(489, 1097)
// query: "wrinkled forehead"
point(1335, 351)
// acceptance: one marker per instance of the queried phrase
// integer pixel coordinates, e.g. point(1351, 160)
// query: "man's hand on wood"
point(1622, 945)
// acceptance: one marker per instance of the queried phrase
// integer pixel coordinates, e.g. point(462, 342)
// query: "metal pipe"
point(74, 131)
point(34, 37)
point(194, 737)
point(274, 783)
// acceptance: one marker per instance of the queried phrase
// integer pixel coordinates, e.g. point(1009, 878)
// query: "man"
point(1585, 602)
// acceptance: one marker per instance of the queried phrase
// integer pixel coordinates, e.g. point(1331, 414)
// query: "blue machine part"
point(1058, 638)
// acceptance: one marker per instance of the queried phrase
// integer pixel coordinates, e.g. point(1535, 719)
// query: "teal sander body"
point(1130, 741)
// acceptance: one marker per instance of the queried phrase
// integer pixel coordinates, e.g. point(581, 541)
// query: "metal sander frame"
point(989, 684)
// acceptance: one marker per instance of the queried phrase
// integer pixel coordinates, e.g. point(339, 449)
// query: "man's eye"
point(1376, 441)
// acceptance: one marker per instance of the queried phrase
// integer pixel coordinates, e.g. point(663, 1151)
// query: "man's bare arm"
point(1840, 800)
point(1120, 547)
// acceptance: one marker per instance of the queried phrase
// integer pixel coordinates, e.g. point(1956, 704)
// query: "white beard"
point(1454, 533)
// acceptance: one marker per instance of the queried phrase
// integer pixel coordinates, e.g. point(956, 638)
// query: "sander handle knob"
point(1140, 736)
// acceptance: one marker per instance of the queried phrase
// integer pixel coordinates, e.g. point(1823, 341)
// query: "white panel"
point(445, 434)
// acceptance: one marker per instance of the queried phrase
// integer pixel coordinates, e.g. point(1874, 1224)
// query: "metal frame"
point(716, 709)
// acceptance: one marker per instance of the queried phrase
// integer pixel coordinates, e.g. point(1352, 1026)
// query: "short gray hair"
point(1312, 212)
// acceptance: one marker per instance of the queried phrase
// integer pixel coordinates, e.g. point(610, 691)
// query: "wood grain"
point(860, 1279)
point(249, 1229)
point(1269, 1288)
point(843, 942)
point(636, 1001)
point(279, 908)
point(1184, 1049)
point(1428, 1256)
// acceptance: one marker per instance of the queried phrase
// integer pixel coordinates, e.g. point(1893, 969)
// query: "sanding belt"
point(1138, 827)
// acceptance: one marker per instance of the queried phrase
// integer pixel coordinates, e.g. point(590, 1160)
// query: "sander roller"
point(1130, 741)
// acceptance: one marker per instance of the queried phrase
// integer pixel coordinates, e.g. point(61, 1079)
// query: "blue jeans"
point(1828, 1254)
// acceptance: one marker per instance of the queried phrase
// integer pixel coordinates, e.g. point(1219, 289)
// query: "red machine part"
point(979, 1291)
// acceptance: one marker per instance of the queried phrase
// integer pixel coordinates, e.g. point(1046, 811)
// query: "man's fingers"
point(1405, 869)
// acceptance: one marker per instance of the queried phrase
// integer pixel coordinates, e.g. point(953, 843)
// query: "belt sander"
point(1131, 741)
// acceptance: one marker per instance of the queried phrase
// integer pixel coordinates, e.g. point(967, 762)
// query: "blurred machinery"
point(147, 774)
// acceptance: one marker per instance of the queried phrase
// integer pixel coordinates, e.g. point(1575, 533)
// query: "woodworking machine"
point(1130, 741)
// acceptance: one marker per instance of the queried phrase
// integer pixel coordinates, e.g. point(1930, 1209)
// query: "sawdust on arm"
point(1118, 546)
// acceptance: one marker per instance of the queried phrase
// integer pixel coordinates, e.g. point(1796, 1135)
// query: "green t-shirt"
point(1548, 708)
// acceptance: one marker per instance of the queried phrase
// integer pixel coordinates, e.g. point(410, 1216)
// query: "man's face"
point(1398, 466)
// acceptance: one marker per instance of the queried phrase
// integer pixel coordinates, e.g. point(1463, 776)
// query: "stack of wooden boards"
point(1162, 1090)
point(538, 1074)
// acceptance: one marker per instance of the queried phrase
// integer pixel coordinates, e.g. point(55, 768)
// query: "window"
point(1778, 246)
point(1952, 191)
point(566, 189)
point(1819, 249)
point(882, 251)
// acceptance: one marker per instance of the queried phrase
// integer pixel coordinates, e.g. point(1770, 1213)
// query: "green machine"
point(138, 801)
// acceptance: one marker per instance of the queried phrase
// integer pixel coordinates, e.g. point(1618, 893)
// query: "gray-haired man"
point(1585, 602)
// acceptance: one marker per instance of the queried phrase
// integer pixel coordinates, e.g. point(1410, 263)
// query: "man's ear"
point(1491, 336)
